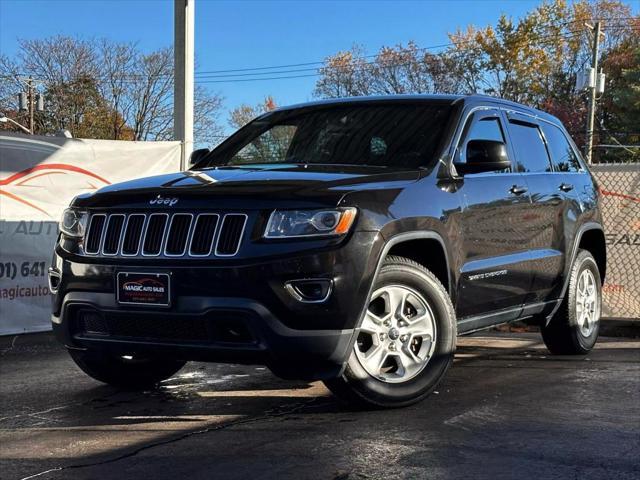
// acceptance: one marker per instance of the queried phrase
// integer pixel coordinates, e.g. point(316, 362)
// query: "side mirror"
point(198, 155)
point(484, 156)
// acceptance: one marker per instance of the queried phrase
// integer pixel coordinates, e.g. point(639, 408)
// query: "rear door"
point(569, 179)
point(494, 278)
point(550, 208)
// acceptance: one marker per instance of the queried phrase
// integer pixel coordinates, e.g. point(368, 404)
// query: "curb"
point(620, 328)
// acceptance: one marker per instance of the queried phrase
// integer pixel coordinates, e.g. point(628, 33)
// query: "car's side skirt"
point(480, 322)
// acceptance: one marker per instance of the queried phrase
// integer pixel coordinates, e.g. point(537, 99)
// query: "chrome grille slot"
point(203, 233)
point(94, 234)
point(230, 234)
point(178, 234)
point(152, 245)
point(133, 234)
point(111, 243)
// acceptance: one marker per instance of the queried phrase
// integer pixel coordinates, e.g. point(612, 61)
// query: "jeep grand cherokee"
point(345, 240)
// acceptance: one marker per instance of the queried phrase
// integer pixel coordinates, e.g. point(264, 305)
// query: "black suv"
point(345, 240)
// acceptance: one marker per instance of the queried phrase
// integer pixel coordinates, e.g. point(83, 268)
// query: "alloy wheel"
point(398, 334)
point(587, 303)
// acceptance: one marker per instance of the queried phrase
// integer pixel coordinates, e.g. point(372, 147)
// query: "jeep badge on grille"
point(160, 200)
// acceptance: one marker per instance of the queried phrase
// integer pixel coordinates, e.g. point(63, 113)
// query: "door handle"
point(566, 187)
point(517, 190)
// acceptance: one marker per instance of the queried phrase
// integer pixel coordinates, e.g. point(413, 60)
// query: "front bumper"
point(223, 312)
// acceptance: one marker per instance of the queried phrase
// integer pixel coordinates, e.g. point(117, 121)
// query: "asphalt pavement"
point(506, 410)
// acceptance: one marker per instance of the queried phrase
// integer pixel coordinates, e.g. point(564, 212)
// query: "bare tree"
point(345, 74)
point(106, 89)
point(10, 84)
point(207, 128)
point(393, 70)
point(140, 88)
point(151, 91)
point(118, 65)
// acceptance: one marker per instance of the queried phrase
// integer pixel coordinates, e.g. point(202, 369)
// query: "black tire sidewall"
point(375, 391)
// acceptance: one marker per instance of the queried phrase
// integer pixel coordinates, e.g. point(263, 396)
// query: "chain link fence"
point(620, 194)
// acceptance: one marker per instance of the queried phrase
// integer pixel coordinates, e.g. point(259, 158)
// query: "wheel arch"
point(394, 241)
point(408, 239)
point(429, 251)
point(593, 240)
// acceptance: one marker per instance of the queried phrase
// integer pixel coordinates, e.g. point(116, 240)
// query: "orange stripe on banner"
point(18, 199)
point(51, 166)
point(19, 184)
point(619, 195)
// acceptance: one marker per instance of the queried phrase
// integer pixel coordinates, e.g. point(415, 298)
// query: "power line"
point(214, 79)
point(320, 62)
point(432, 47)
point(259, 79)
point(208, 78)
point(324, 66)
point(276, 73)
point(319, 73)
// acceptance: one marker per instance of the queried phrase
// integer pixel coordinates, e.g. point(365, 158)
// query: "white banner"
point(38, 178)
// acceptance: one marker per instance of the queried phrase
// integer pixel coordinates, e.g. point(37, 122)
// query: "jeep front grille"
point(164, 234)
point(230, 233)
point(154, 234)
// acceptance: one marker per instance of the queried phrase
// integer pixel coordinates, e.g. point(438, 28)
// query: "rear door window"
point(563, 157)
point(529, 147)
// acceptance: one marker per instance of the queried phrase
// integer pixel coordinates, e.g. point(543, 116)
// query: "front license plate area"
point(136, 288)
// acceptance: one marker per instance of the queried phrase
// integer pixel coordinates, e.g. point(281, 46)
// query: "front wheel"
point(406, 342)
point(132, 373)
point(573, 330)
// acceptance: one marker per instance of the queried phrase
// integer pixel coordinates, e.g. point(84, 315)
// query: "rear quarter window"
point(563, 156)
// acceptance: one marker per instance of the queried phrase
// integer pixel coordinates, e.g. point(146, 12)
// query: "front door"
point(494, 278)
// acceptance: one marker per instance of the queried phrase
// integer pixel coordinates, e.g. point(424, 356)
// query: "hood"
point(250, 187)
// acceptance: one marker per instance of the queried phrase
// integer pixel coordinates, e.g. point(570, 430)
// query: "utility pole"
point(183, 93)
point(592, 91)
point(31, 101)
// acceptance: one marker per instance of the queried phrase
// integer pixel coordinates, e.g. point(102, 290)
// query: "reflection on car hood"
point(273, 183)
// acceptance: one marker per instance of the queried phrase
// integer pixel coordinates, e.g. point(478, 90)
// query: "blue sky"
point(245, 34)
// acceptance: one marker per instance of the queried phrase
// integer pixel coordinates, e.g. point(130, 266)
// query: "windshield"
point(401, 136)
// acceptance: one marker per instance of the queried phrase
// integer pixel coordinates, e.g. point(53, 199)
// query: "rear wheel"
point(406, 342)
point(125, 372)
point(573, 330)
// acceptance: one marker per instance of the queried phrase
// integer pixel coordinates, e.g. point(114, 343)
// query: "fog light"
point(314, 290)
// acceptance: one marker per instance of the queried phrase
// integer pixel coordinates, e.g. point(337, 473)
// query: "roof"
point(440, 98)
point(376, 99)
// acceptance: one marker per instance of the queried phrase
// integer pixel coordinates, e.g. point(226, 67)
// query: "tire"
point(424, 338)
point(573, 330)
point(130, 374)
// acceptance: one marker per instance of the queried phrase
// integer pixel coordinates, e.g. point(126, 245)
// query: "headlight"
point(309, 223)
point(73, 222)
